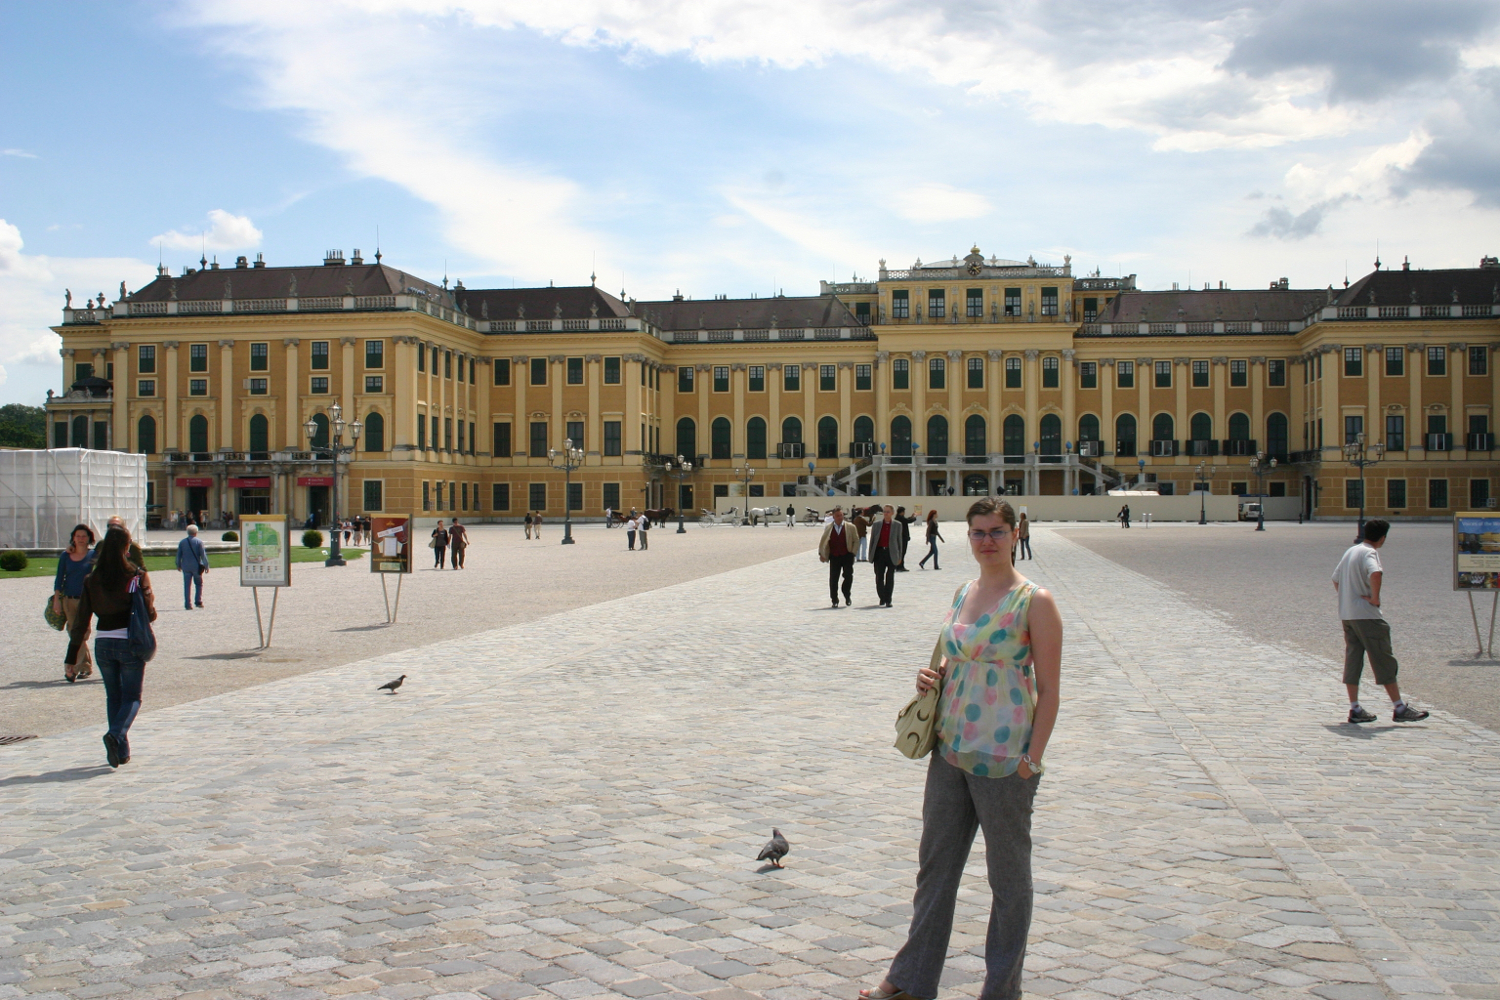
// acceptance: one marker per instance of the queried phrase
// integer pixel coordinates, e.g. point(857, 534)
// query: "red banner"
point(314, 480)
point(253, 483)
point(195, 481)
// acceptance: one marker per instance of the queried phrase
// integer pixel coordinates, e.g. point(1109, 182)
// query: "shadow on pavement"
point(69, 774)
point(54, 683)
point(1364, 731)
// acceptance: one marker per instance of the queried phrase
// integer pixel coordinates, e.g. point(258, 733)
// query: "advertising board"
point(265, 551)
point(1476, 551)
point(390, 543)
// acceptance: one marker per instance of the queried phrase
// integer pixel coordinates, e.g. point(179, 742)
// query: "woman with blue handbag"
point(119, 593)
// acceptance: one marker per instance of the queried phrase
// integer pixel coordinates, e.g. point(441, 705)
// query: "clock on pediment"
point(974, 262)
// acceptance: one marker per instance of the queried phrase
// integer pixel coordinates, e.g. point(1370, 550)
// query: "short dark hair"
point(985, 506)
point(1376, 528)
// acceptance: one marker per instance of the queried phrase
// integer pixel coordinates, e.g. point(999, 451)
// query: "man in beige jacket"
point(839, 543)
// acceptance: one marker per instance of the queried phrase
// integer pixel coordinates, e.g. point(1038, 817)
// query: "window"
point(197, 357)
point(1319, 373)
point(1276, 434)
point(448, 433)
point(145, 435)
point(1049, 373)
point(1239, 427)
point(1088, 427)
point(1437, 364)
point(975, 302)
point(146, 387)
point(199, 386)
point(260, 357)
point(757, 378)
point(198, 433)
point(1395, 493)
point(500, 446)
point(84, 370)
point(974, 436)
point(1162, 427)
point(1354, 495)
point(1013, 435)
point(146, 360)
point(499, 496)
point(1090, 310)
point(901, 304)
point(460, 360)
point(687, 438)
point(1164, 374)
point(575, 371)
point(755, 438)
point(421, 358)
point(374, 383)
point(1200, 374)
point(374, 494)
point(538, 496)
point(374, 354)
point(1012, 302)
point(436, 437)
point(864, 432)
point(258, 386)
point(538, 447)
point(1354, 426)
point(1479, 494)
point(828, 438)
point(1125, 374)
point(538, 371)
point(862, 313)
point(101, 435)
point(318, 385)
point(1239, 374)
point(1201, 427)
point(936, 304)
point(791, 378)
point(1012, 373)
point(719, 438)
point(1354, 362)
point(502, 372)
point(1276, 372)
point(684, 377)
point(447, 365)
point(426, 496)
point(862, 378)
point(612, 445)
point(721, 378)
point(1479, 361)
point(422, 431)
point(575, 432)
point(900, 374)
point(1088, 374)
point(937, 435)
point(791, 432)
point(435, 355)
point(901, 436)
point(1437, 493)
point(1049, 300)
point(976, 373)
point(937, 373)
point(1395, 362)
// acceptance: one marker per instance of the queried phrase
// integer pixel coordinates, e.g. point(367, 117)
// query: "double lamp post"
point(337, 447)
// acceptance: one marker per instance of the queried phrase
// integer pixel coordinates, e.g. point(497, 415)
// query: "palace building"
point(975, 374)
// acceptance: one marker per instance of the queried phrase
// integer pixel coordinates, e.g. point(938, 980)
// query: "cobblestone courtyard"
point(570, 807)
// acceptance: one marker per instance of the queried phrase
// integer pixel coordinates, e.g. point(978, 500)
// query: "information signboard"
point(265, 551)
point(1476, 551)
point(390, 543)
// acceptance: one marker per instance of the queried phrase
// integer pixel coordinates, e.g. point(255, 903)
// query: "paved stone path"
point(570, 808)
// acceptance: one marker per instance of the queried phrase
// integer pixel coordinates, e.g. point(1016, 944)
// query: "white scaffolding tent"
point(43, 494)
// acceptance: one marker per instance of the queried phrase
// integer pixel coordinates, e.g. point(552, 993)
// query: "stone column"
point(592, 365)
point(293, 396)
point(1257, 377)
point(1181, 373)
point(1333, 414)
point(773, 418)
point(918, 401)
point(994, 378)
point(880, 375)
point(737, 376)
point(1107, 413)
point(346, 381)
point(1416, 424)
point(228, 399)
point(1069, 376)
point(1031, 380)
point(483, 383)
point(703, 385)
point(119, 432)
point(956, 374)
point(1217, 368)
point(846, 408)
point(810, 421)
point(1144, 376)
point(1374, 368)
point(557, 420)
point(68, 354)
point(666, 403)
point(1458, 367)
point(169, 391)
point(634, 414)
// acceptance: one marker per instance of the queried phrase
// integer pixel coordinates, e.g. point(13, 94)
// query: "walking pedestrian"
point(886, 551)
point(861, 525)
point(1357, 580)
point(133, 551)
point(1023, 536)
point(933, 537)
point(904, 520)
point(439, 545)
point(192, 560)
point(645, 529)
point(536, 526)
point(73, 566)
point(107, 593)
point(632, 524)
point(609, 517)
point(348, 531)
point(836, 548)
point(1124, 516)
point(997, 706)
point(791, 515)
point(528, 524)
point(458, 541)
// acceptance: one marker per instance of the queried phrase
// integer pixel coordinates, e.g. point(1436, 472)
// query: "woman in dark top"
point(73, 564)
point(933, 537)
point(439, 545)
point(106, 593)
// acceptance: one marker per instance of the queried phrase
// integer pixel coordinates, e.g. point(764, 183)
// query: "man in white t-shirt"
point(1357, 580)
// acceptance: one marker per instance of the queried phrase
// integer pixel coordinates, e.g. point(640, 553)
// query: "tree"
point(23, 426)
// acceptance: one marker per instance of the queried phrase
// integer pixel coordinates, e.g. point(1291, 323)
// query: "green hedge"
point(312, 539)
point(13, 560)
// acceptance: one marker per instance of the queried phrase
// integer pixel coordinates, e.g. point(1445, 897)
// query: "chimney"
point(241, 262)
point(260, 260)
point(333, 258)
point(356, 259)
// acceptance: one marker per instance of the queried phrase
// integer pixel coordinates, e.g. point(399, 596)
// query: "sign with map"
point(1476, 551)
point(265, 551)
point(390, 544)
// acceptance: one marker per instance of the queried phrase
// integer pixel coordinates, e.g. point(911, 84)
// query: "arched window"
point(791, 431)
point(1276, 435)
point(937, 435)
point(687, 439)
point(976, 486)
point(1125, 434)
point(975, 445)
point(80, 432)
point(828, 438)
point(1161, 427)
point(145, 435)
point(320, 436)
point(375, 432)
point(1088, 427)
point(864, 430)
point(1051, 427)
point(719, 434)
point(198, 434)
point(1202, 427)
point(755, 438)
point(260, 433)
point(1015, 434)
point(901, 437)
point(1239, 427)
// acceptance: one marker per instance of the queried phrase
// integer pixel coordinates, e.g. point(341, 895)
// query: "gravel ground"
point(1275, 586)
point(335, 616)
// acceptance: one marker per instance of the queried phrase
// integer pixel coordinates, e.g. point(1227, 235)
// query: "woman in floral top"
point(1002, 656)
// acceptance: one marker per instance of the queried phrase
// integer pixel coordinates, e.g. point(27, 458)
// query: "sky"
point(738, 148)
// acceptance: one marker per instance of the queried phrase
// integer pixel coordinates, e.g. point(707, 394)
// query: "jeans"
point(630, 538)
point(841, 566)
point(190, 578)
point(457, 560)
point(122, 673)
point(1025, 548)
point(931, 554)
point(863, 541)
point(885, 575)
point(440, 553)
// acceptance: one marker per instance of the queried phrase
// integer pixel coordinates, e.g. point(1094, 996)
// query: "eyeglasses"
point(995, 535)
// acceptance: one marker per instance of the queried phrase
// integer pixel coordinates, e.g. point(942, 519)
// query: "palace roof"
point(796, 312)
point(569, 302)
point(1206, 306)
point(312, 281)
point(1453, 286)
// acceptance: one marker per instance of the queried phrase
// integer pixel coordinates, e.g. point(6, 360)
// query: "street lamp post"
point(1259, 468)
point(1357, 454)
point(337, 447)
point(680, 471)
point(746, 474)
point(1203, 487)
point(567, 460)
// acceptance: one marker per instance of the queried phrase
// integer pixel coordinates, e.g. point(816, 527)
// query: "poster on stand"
point(390, 543)
point(265, 551)
point(1476, 551)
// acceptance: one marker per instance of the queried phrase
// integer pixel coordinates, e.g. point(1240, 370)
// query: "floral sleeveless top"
point(989, 694)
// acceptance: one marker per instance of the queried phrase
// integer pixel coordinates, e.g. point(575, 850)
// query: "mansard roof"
point(1207, 306)
point(1451, 286)
point(796, 312)
point(569, 302)
point(313, 281)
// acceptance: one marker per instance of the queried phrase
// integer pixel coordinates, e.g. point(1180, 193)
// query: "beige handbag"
point(916, 725)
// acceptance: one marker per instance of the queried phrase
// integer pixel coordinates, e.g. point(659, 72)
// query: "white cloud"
point(18, 152)
point(932, 202)
point(222, 232)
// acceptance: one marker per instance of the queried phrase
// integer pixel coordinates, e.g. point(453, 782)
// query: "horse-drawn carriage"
point(711, 517)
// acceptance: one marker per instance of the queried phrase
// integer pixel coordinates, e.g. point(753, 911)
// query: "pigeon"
point(393, 685)
point(777, 849)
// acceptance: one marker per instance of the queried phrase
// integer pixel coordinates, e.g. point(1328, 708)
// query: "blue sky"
point(739, 147)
